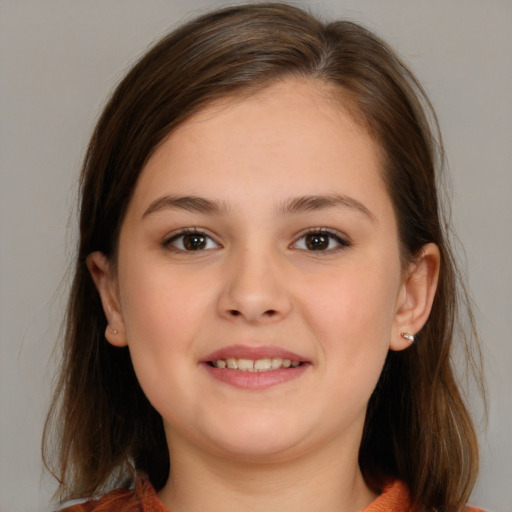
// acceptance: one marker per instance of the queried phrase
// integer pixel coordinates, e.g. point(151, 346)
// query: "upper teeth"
point(258, 365)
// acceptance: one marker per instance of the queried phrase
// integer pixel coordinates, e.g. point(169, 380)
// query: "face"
point(258, 283)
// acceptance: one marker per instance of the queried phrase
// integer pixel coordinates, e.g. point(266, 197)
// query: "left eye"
point(192, 241)
point(321, 241)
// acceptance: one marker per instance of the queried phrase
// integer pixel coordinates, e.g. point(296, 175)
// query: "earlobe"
point(416, 297)
point(106, 284)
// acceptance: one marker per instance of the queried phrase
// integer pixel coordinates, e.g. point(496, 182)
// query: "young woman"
point(264, 300)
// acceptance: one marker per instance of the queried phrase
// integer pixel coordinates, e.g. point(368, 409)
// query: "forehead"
point(288, 139)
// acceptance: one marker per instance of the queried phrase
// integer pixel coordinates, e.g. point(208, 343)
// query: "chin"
point(260, 452)
point(256, 440)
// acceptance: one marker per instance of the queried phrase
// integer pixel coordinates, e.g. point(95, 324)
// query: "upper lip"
point(252, 352)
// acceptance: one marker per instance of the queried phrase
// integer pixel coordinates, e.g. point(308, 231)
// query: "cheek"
point(352, 314)
point(354, 303)
point(162, 315)
point(158, 299)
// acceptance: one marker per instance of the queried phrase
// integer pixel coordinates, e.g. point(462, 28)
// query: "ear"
point(106, 284)
point(416, 296)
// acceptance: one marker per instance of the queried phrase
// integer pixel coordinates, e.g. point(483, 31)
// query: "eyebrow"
point(188, 203)
point(322, 202)
point(293, 206)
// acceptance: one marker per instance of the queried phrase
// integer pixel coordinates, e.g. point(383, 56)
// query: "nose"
point(254, 288)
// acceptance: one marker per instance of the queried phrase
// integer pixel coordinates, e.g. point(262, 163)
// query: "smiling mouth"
point(266, 364)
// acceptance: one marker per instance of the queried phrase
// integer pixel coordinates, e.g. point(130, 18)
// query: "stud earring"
point(408, 336)
point(113, 331)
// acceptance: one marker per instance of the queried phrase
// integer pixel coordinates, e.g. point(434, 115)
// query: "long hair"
point(417, 427)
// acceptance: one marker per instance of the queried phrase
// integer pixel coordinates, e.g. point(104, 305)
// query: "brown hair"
point(417, 427)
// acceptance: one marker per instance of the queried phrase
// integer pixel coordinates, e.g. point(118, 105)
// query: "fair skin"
point(291, 252)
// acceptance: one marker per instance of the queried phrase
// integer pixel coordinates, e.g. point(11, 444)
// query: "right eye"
point(191, 241)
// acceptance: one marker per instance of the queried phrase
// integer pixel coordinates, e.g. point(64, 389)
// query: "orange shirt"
point(394, 498)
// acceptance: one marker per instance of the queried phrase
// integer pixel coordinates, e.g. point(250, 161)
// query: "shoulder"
point(395, 497)
point(121, 499)
point(142, 498)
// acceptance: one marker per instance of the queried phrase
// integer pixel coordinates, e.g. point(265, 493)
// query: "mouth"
point(266, 364)
point(254, 367)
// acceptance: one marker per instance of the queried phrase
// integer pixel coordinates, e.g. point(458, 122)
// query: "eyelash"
point(168, 242)
point(341, 241)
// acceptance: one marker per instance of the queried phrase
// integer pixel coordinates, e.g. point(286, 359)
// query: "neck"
point(325, 481)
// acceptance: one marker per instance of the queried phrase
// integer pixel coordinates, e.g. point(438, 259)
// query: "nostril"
point(268, 313)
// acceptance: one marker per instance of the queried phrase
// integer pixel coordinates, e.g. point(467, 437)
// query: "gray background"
point(59, 59)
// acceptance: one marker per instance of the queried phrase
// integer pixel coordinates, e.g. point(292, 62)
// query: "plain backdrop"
point(59, 61)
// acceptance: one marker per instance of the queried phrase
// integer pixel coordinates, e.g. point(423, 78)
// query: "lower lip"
point(255, 380)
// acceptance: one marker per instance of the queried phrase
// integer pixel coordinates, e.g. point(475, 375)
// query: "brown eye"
point(191, 241)
point(317, 242)
point(321, 241)
point(194, 242)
